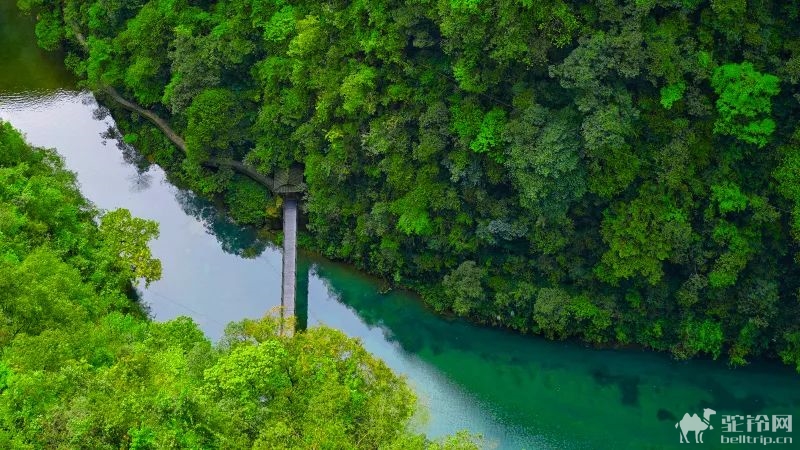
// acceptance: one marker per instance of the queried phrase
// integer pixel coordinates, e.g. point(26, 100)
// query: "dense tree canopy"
point(619, 170)
point(82, 367)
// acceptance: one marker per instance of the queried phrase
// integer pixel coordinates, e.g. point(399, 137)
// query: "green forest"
point(621, 172)
point(82, 367)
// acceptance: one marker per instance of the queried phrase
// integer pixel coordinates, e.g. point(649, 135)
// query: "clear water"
point(520, 392)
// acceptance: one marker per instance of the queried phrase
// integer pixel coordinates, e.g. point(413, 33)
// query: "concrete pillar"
point(289, 274)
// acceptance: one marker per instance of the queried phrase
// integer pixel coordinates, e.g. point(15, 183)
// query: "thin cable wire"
point(272, 266)
point(187, 308)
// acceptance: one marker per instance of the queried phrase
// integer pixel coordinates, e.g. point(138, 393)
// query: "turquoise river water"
point(520, 392)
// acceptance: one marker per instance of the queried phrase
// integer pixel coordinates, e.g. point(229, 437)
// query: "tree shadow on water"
point(628, 385)
point(233, 238)
point(725, 399)
point(129, 153)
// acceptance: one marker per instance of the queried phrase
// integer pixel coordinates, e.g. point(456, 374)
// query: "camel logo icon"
point(696, 424)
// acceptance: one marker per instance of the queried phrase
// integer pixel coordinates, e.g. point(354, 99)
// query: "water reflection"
point(129, 153)
point(233, 238)
point(25, 67)
point(560, 393)
point(519, 391)
point(301, 302)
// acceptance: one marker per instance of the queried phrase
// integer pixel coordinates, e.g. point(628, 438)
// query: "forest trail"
point(286, 182)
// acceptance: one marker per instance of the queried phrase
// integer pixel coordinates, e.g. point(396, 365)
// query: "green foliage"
point(705, 336)
point(13, 148)
point(791, 352)
point(594, 319)
point(552, 312)
point(82, 367)
point(413, 217)
point(745, 102)
point(543, 161)
point(463, 287)
point(640, 236)
point(248, 201)
point(733, 260)
point(125, 239)
point(788, 176)
point(489, 134)
point(214, 124)
point(281, 23)
point(729, 198)
point(49, 30)
point(357, 90)
point(672, 93)
point(613, 165)
point(596, 147)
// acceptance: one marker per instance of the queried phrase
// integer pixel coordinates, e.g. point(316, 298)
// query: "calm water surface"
point(519, 392)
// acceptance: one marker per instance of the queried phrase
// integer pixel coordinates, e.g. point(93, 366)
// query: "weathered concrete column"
point(289, 282)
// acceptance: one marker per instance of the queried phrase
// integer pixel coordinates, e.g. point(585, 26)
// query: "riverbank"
point(81, 365)
point(540, 213)
point(517, 391)
point(520, 392)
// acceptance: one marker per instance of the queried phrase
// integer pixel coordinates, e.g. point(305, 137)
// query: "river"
point(520, 392)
